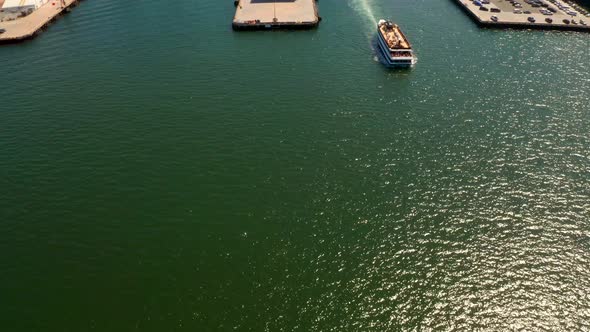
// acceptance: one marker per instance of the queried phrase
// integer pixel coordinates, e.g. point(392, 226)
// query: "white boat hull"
point(389, 62)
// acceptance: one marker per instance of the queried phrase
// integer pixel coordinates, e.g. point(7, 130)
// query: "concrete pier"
point(270, 14)
point(507, 18)
point(28, 26)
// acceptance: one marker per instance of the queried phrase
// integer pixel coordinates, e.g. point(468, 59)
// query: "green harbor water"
point(161, 172)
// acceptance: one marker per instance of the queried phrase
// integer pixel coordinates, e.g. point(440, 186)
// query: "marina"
point(272, 14)
point(528, 14)
point(30, 25)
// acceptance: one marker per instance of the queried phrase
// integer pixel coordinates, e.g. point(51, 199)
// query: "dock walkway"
point(28, 26)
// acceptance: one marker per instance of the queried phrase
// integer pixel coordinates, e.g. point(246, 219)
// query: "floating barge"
point(275, 14)
point(506, 18)
point(29, 26)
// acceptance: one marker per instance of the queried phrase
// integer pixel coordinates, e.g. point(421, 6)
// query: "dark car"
point(485, 9)
point(495, 10)
point(531, 19)
point(2, 30)
point(566, 21)
point(548, 20)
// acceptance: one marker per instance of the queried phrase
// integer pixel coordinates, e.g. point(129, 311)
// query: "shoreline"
point(30, 26)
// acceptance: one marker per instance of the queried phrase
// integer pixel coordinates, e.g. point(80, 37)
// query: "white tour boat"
point(394, 45)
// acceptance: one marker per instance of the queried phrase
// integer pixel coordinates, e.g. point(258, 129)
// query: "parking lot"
point(554, 10)
point(529, 13)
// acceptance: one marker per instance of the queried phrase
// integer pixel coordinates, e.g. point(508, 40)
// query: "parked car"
point(485, 9)
point(494, 18)
point(495, 10)
point(531, 19)
point(2, 30)
point(548, 20)
point(566, 21)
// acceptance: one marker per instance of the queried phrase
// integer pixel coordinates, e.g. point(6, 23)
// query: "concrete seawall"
point(275, 14)
point(31, 25)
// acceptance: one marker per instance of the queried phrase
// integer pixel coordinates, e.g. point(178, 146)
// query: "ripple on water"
point(213, 180)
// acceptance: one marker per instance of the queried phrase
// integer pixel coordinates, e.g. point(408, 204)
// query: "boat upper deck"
point(395, 38)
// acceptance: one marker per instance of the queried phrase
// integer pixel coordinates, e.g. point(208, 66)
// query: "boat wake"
point(364, 8)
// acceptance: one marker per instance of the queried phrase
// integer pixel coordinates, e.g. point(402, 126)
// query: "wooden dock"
point(508, 19)
point(272, 14)
point(29, 26)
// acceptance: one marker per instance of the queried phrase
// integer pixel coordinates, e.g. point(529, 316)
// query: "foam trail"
point(364, 8)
